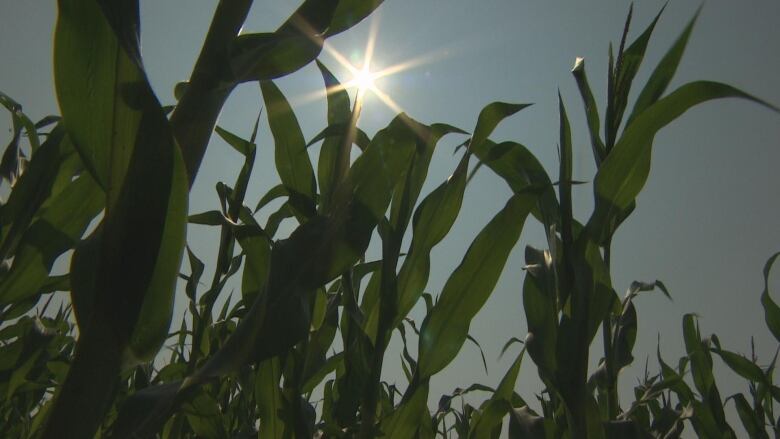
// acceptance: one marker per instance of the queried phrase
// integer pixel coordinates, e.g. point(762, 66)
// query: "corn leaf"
point(771, 310)
point(521, 170)
point(663, 73)
point(57, 230)
point(446, 327)
point(122, 135)
point(623, 174)
point(292, 160)
point(339, 114)
point(297, 42)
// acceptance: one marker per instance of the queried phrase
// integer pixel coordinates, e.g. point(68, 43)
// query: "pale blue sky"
point(705, 223)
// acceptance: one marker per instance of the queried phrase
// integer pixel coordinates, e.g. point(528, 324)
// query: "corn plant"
point(110, 180)
point(568, 295)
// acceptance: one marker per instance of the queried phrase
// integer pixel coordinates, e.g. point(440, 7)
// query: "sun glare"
point(364, 79)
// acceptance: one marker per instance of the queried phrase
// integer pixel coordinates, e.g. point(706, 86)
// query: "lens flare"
point(364, 79)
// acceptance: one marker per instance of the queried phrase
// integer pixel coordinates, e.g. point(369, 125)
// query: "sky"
point(705, 222)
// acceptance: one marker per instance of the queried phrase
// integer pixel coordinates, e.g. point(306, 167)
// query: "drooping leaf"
point(623, 174)
point(297, 42)
point(521, 170)
point(275, 192)
point(490, 117)
point(337, 131)
point(742, 366)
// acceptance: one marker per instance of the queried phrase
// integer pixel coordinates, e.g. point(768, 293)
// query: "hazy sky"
point(705, 223)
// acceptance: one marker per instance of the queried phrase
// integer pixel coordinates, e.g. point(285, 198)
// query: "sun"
point(363, 79)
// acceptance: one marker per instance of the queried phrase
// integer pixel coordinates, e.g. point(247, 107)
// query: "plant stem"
point(391, 249)
point(606, 329)
point(210, 85)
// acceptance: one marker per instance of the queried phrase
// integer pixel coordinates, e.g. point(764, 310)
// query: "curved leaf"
point(771, 310)
point(290, 155)
point(623, 174)
point(56, 231)
point(663, 73)
point(446, 327)
point(123, 137)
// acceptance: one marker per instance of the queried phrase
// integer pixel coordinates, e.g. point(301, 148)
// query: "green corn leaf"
point(243, 146)
point(83, 277)
point(275, 192)
point(433, 219)
point(521, 170)
point(591, 111)
point(629, 63)
point(208, 218)
point(701, 362)
point(771, 310)
point(539, 304)
point(50, 168)
point(331, 364)
point(406, 418)
point(593, 276)
point(57, 230)
point(297, 42)
point(663, 73)
point(753, 425)
point(524, 424)
point(499, 404)
point(20, 122)
point(204, 416)
point(270, 399)
point(445, 328)
point(292, 160)
point(257, 248)
point(624, 337)
point(279, 317)
point(123, 137)
point(742, 366)
point(564, 194)
point(490, 117)
point(623, 174)
point(349, 13)
point(196, 271)
point(339, 114)
point(408, 190)
point(338, 130)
